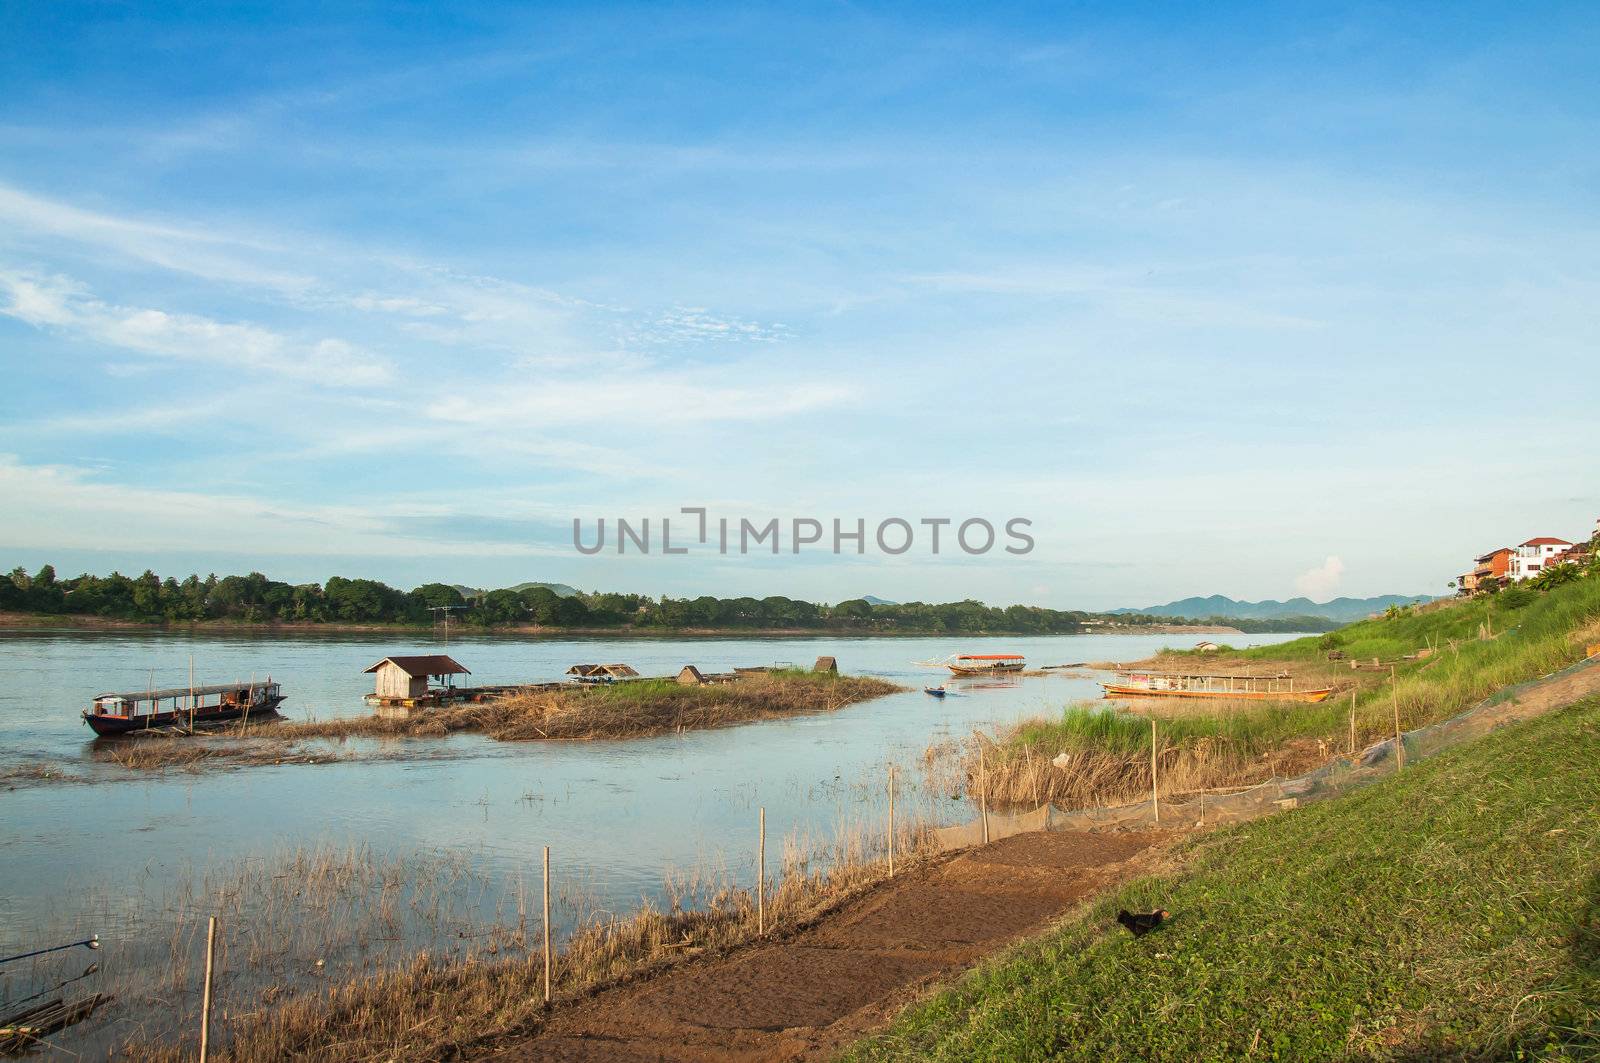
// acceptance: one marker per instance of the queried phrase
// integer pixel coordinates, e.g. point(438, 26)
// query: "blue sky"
point(1242, 301)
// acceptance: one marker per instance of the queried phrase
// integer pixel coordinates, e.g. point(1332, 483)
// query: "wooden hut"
point(691, 676)
point(825, 664)
point(407, 677)
point(601, 673)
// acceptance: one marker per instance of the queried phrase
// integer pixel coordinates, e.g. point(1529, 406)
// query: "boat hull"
point(1114, 690)
point(109, 726)
point(989, 669)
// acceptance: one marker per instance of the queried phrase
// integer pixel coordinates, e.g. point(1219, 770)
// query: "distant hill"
point(560, 590)
point(1343, 610)
point(872, 599)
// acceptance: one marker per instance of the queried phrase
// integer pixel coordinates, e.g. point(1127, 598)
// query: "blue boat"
point(937, 692)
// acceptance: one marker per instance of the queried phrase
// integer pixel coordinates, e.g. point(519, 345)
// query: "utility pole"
point(445, 609)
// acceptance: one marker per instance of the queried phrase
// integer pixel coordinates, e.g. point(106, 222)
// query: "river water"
point(616, 814)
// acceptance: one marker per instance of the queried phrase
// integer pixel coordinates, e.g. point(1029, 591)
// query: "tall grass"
point(1474, 648)
point(437, 1004)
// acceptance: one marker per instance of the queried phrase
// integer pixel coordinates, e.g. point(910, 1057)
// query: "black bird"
point(1141, 924)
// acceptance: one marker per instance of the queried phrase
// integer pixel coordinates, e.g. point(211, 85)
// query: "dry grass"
point(623, 710)
point(43, 771)
point(434, 1006)
point(1020, 769)
point(156, 751)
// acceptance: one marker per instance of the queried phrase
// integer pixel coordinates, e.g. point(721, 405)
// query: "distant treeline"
point(257, 599)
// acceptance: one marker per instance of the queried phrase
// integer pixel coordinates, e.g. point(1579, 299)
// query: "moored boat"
point(1280, 687)
point(986, 663)
point(118, 714)
point(937, 692)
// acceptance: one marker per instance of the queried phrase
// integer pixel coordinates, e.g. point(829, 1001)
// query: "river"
point(618, 815)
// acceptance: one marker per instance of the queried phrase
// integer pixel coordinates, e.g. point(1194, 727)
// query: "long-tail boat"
point(986, 663)
point(1280, 687)
point(143, 710)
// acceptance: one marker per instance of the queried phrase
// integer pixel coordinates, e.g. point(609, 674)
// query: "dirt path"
point(807, 995)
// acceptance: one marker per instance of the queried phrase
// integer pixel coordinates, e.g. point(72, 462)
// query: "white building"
point(1535, 555)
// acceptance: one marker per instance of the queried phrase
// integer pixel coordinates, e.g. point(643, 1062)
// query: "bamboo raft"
point(26, 1028)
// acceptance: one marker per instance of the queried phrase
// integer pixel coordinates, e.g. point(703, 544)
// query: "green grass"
point(1090, 726)
point(1535, 639)
point(1450, 912)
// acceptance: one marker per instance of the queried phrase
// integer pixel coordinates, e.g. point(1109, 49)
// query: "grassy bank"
point(621, 710)
point(1471, 649)
point(1451, 912)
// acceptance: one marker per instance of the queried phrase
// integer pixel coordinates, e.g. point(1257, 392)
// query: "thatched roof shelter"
point(825, 664)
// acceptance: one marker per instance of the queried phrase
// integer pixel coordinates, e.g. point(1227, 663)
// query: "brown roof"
point(1491, 554)
point(424, 664)
point(1545, 540)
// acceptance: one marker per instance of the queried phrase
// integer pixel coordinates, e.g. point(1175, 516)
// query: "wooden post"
point(1352, 721)
point(1202, 808)
point(191, 692)
point(547, 925)
point(761, 876)
point(983, 795)
point(1155, 792)
point(1399, 746)
point(891, 821)
point(205, 998)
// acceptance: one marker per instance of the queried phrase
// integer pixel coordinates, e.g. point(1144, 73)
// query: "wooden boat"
point(119, 714)
point(1279, 687)
point(937, 692)
point(986, 663)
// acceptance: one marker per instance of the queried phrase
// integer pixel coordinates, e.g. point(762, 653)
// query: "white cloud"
point(1319, 583)
point(55, 302)
point(658, 397)
point(67, 508)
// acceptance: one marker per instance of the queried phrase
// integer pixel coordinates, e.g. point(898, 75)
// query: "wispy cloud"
point(68, 504)
point(59, 303)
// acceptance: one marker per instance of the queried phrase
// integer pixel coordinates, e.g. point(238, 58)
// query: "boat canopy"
point(990, 657)
point(183, 692)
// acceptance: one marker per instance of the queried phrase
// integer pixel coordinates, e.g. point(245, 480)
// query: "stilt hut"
point(407, 677)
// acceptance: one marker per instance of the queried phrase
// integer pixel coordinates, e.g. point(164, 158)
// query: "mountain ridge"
point(1217, 605)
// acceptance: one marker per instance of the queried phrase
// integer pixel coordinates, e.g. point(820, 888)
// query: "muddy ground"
point(806, 994)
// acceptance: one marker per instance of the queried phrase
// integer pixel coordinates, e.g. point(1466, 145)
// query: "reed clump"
point(157, 750)
point(635, 709)
point(1091, 755)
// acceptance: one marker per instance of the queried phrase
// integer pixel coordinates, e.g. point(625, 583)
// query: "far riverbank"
point(73, 622)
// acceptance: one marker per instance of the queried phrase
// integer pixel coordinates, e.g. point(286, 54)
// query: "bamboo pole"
point(1399, 745)
point(547, 925)
point(191, 692)
point(205, 999)
point(1155, 791)
point(891, 821)
point(761, 875)
point(1352, 721)
point(983, 795)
